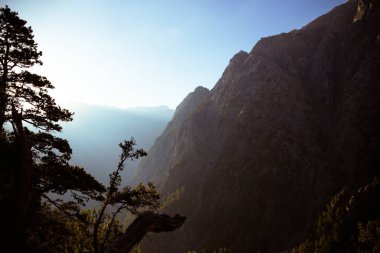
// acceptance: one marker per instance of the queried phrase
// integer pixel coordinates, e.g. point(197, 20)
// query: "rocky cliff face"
point(252, 162)
point(170, 147)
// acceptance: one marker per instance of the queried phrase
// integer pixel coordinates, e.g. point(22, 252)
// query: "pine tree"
point(41, 165)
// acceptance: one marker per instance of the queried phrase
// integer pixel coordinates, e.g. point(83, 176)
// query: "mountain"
point(253, 161)
point(96, 131)
point(154, 168)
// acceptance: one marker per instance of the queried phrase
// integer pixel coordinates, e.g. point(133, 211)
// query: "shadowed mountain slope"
point(252, 162)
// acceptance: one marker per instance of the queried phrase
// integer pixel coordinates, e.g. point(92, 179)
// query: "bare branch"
point(143, 224)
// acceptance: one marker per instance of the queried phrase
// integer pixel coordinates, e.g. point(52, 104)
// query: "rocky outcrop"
point(172, 144)
point(253, 161)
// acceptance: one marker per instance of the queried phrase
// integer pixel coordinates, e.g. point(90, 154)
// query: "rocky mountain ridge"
point(252, 162)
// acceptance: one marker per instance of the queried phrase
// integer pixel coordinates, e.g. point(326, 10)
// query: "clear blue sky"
point(147, 53)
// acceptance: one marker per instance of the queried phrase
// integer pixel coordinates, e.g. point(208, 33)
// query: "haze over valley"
point(96, 131)
point(202, 127)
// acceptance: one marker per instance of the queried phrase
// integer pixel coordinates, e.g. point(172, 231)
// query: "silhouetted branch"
point(143, 224)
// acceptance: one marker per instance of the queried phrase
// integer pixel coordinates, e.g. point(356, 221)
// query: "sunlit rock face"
point(253, 161)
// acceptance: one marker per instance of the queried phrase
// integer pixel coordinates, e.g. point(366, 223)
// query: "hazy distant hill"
point(252, 162)
point(96, 131)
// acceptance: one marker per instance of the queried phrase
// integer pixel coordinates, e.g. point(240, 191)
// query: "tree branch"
point(59, 207)
point(110, 226)
point(143, 224)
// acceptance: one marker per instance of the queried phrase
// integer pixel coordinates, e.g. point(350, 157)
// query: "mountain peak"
point(200, 89)
point(294, 119)
point(191, 102)
point(238, 57)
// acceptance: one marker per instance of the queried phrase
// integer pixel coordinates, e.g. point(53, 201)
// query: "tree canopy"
point(43, 193)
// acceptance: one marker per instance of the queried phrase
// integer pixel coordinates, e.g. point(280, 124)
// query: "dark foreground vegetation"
point(282, 154)
point(42, 196)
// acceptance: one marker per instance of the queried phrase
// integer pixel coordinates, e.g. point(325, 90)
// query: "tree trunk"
point(22, 175)
point(3, 86)
point(143, 224)
point(3, 105)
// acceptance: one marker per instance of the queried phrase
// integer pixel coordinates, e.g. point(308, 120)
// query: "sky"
point(128, 53)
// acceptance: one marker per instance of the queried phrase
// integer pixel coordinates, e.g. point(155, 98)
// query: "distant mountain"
point(252, 162)
point(96, 131)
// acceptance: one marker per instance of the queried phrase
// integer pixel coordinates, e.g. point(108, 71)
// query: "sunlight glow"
point(149, 53)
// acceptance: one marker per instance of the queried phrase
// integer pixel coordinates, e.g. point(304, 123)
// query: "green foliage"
point(332, 223)
point(53, 226)
point(47, 194)
point(220, 250)
point(173, 197)
point(349, 223)
point(35, 163)
point(136, 249)
point(369, 236)
point(306, 246)
point(24, 94)
point(133, 200)
point(24, 100)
